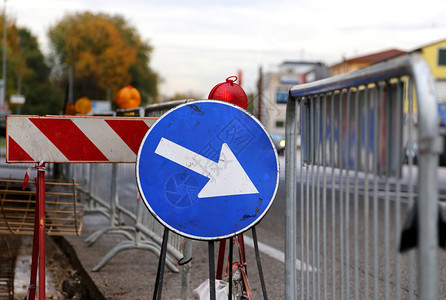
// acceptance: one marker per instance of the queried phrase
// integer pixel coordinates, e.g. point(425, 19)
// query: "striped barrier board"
point(74, 139)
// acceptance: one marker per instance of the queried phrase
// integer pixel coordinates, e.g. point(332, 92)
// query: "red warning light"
point(230, 91)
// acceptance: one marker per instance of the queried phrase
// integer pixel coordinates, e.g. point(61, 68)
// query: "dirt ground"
point(62, 280)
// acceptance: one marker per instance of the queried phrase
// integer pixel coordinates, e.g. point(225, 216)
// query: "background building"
point(435, 55)
point(355, 63)
point(270, 103)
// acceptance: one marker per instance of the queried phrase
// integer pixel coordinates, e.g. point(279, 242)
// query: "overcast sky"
point(199, 43)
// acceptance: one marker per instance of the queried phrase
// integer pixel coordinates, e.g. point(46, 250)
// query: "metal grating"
point(64, 207)
point(8, 253)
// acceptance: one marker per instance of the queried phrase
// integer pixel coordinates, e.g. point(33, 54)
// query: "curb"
point(68, 249)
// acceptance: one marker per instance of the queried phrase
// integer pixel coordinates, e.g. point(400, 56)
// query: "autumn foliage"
point(106, 54)
point(27, 72)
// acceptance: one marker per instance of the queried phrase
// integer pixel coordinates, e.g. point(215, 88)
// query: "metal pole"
point(231, 252)
point(90, 189)
point(221, 258)
point(35, 256)
point(41, 200)
point(3, 93)
point(114, 195)
point(162, 261)
point(290, 211)
point(38, 251)
point(70, 84)
point(259, 263)
point(185, 278)
point(259, 94)
point(212, 294)
point(428, 274)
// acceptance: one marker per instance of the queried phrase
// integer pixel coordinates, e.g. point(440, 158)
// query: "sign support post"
point(160, 272)
point(38, 252)
point(212, 293)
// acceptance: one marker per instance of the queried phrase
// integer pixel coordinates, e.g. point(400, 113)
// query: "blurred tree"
point(106, 54)
point(27, 72)
point(41, 95)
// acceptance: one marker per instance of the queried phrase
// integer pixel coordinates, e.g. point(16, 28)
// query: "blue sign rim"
point(196, 237)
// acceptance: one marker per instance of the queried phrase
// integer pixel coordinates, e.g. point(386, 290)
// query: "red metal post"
point(41, 200)
point(221, 258)
point(35, 256)
point(38, 254)
point(242, 254)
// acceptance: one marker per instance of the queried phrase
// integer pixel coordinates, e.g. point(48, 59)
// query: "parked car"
point(279, 142)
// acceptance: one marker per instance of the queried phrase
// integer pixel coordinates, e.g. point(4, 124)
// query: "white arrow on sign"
point(227, 176)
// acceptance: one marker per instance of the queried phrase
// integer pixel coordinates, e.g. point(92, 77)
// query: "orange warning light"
point(128, 98)
point(83, 106)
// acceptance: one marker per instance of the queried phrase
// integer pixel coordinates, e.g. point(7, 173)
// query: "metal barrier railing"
point(113, 193)
point(353, 191)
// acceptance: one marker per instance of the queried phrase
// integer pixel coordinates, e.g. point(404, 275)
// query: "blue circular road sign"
point(207, 170)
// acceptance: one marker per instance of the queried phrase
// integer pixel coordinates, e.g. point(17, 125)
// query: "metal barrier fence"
point(113, 193)
point(353, 191)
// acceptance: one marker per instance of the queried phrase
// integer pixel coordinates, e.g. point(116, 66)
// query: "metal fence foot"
point(126, 245)
point(124, 230)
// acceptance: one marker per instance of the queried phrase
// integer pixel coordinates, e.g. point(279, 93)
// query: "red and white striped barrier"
point(69, 139)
